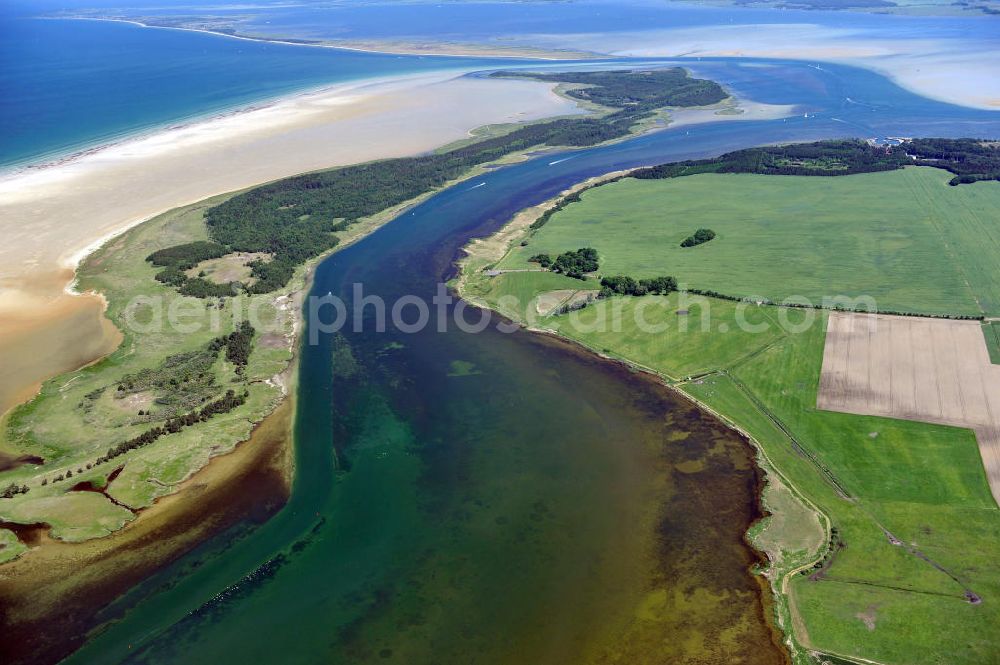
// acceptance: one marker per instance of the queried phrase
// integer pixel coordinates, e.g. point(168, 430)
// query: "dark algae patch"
point(553, 508)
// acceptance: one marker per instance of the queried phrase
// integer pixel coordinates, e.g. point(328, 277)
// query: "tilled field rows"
point(929, 370)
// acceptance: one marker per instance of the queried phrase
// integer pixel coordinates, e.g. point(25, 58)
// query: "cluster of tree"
point(180, 258)
point(650, 89)
point(13, 490)
point(576, 263)
point(698, 237)
point(184, 380)
point(199, 287)
point(190, 369)
point(574, 305)
point(225, 404)
point(543, 260)
point(238, 345)
point(297, 218)
point(969, 159)
point(628, 286)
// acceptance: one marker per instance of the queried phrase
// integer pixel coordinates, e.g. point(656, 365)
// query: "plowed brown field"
point(929, 370)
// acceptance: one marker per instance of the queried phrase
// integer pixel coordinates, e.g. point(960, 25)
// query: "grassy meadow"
point(682, 345)
point(903, 237)
point(77, 417)
point(881, 527)
point(991, 330)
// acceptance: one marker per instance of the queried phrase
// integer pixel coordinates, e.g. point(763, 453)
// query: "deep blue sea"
point(66, 85)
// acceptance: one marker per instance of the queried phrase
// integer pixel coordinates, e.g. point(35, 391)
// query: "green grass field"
point(923, 483)
point(903, 237)
point(676, 345)
point(513, 294)
point(991, 330)
point(902, 602)
point(612, 326)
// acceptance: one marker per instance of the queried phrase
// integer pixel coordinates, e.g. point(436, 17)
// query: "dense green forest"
point(297, 218)
point(645, 90)
point(969, 159)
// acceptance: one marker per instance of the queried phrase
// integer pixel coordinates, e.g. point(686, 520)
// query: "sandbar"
point(945, 68)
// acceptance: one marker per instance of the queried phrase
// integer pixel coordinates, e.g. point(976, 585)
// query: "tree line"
point(573, 263)
point(13, 490)
point(224, 404)
point(628, 286)
point(970, 159)
point(836, 308)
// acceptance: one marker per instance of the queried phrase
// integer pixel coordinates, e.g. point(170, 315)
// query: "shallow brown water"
point(45, 333)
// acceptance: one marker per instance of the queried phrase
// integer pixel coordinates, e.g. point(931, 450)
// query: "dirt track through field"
point(929, 370)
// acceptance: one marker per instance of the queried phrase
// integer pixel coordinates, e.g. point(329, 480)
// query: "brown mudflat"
point(50, 596)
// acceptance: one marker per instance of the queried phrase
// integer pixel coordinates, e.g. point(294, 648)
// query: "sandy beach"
point(52, 217)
